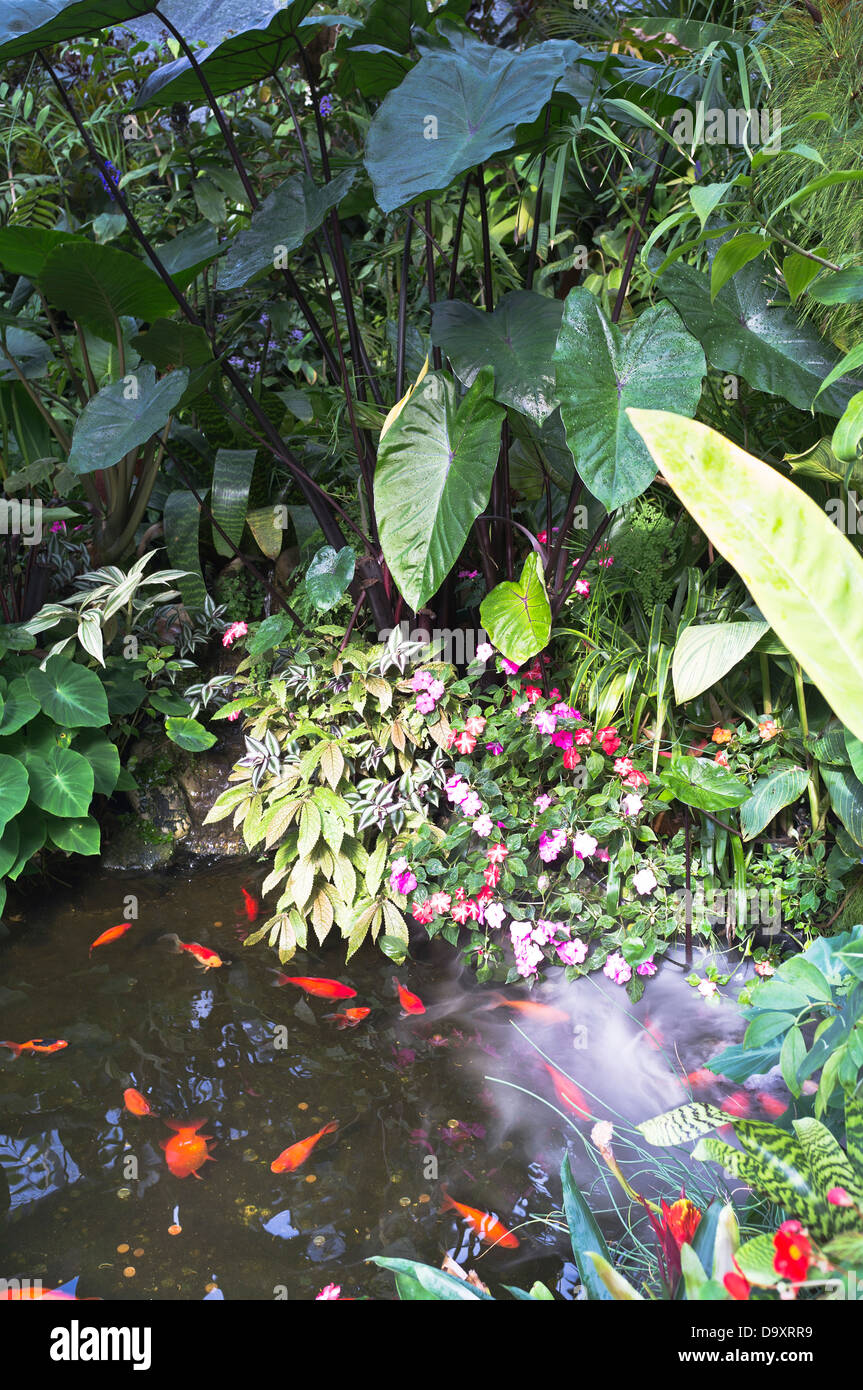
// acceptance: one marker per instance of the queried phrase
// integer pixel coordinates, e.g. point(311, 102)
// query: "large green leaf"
point(189, 734)
point(517, 616)
point(70, 694)
point(24, 250)
point(168, 344)
point(828, 1165)
point(584, 1234)
point(232, 477)
point(61, 781)
point(186, 254)
point(434, 1281)
point(517, 341)
point(704, 784)
point(9, 842)
point(30, 824)
point(26, 25)
point(281, 224)
point(433, 479)
point(703, 655)
point(123, 416)
point(30, 353)
point(19, 706)
point(742, 332)
point(601, 371)
point(460, 104)
point(846, 798)
point(683, 1124)
point(74, 834)
point(329, 575)
point(103, 757)
point(236, 62)
point(14, 788)
point(803, 574)
point(182, 520)
point(97, 285)
point(769, 795)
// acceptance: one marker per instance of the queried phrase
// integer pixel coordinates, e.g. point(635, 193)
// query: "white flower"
point(494, 914)
point(644, 881)
point(584, 845)
point(602, 1133)
point(707, 989)
point(631, 804)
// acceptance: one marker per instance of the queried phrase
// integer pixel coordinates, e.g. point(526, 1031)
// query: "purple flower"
point(326, 107)
point(110, 183)
point(647, 967)
point(495, 749)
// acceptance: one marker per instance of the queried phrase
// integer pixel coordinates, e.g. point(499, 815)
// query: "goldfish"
point(568, 1093)
point(58, 1295)
point(187, 1149)
point(323, 989)
point(349, 1019)
point(772, 1104)
point(702, 1077)
point(251, 905)
point(411, 1003)
point(737, 1104)
point(540, 1013)
point(483, 1223)
point(35, 1045)
point(296, 1154)
point(207, 959)
point(135, 1103)
point(654, 1037)
point(112, 934)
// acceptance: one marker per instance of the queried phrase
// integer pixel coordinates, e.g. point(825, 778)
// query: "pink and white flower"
point(617, 969)
point(644, 881)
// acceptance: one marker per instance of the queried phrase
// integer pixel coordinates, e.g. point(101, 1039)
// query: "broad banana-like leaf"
point(703, 655)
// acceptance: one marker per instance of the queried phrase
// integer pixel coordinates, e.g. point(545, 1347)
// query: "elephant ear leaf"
point(27, 25)
point(683, 1124)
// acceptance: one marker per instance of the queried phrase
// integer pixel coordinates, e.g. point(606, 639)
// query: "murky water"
point(89, 1190)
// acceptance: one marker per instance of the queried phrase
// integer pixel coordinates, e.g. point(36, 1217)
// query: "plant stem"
point(487, 291)
point(813, 785)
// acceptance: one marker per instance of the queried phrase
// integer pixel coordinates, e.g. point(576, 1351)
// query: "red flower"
point(532, 694)
point(793, 1251)
point(462, 911)
point(495, 854)
point(491, 874)
point(571, 758)
point(422, 912)
point(583, 737)
point(682, 1219)
point(608, 741)
point(465, 743)
point(737, 1284)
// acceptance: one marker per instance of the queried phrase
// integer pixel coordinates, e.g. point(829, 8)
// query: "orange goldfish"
point(772, 1104)
point(251, 905)
point(349, 1019)
point(702, 1077)
point(62, 1293)
point(654, 1037)
point(737, 1104)
point(112, 934)
point(207, 959)
point(135, 1103)
point(187, 1150)
point(568, 1093)
point(323, 989)
point(35, 1045)
point(540, 1013)
point(483, 1223)
point(411, 1003)
point(296, 1154)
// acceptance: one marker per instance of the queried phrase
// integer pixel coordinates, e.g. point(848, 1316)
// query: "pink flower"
point(545, 931)
point(495, 749)
point(582, 737)
point(472, 805)
point(494, 915)
point(602, 855)
point(329, 1291)
point(647, 967)
point(437, 690)
point(475, 725)
point(422, 912)
point(456, 789)
point(550, 846)
point(509, 666)
point(233, 716)
point(483, 825)
point(617, 969)
point(636, 779)
point(422, 680)
point(495, 854)
point(572, 952)
point(468, 574)
point(584, 845)
point(708, 989)
point(763, 968)
point(532, 693)
point(465, 743)
point(425, 702)
point(631, 804)
point(608, 741)
point(235, 630)
point(582, 588)
point(562, 738)
point(484, 652)
point(838, 1197)
point(545, 722)
point(402, 878)
point(623, 766)
point(522, 709)
point(440, 903)
point(543, 801)
point(644, 881)
point(462, 911)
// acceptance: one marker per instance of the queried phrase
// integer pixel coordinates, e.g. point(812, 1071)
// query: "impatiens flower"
point(425, 702)
point(402, 878)
point(608, 741)
point(635, 779)
point(468, 574)
point(551, 846)
point(545, 931)
point(437, 690)
point(721, 735)
point(329, 1290)
point(509, 666)
point(484, 652)
point(624, 766)
point(644, 881)
point(542, 536)
point(584, 845)
point(721, 758)
point(617, 969)
point(838, 1197)
point(545, 721)
point(491, 874)
point(631, 804)
point(571, 758)
point(440, 902)
point(475, 725)
point(495, 749)
point(532, 693)
point(422, 912)
point(235, 630)
point(602, 855)
point(495, 854)
point(708, 989)
point(582, 737)
point(561, 738)
point(768, 728)
point(456, 789)
point(233, 716)
point(647, 967)
point(471, 806)
point(572, 952)
point(522, 708)
point(582, 588)
point(763, 968)
point(483, 825)
point(465, 742)
point(607, 562)
point(422, 680)
point(793, 1251)
point(543, 801)
point(462, 911)
point(494, 915)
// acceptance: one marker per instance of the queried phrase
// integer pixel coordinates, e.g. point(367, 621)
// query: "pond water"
point(424, 1102)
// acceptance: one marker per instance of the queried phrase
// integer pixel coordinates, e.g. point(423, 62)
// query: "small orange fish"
point(65, 1292)
point(702, 1077)
point(135, 1103)
point(772, 1104)
point(540, 1013)
point(568, 1093)
point(35, 1045)
point(483, 1223)
point(654, 1037)
point(252, 906)
point(737, 1104)
point(321, 988)
point(207, 959)
point(411, 1003)
point(296, 1154)
point(112, 934)
point(187, 1150)
point(349, 1019)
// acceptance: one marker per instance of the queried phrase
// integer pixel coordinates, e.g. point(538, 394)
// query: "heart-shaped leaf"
point(189, 734)
point(704, 784)
point(803, 574)
point(103, 757)
point(517, 341)
point(517, 616)
point(281, 224)
point(70, 694)
point(600, 372)
point(61, 781)
point(74, 834)
point(14, 788)
point(169, 344)
point(123, 416)
point(97, 285)
point(433, 479)
point(329, 575)
point(26, 25)
point(31, 355)
point(19, 706)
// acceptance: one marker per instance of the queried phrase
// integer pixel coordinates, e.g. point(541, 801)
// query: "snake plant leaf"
point(238, 61)
point(98, 285)
point(232, 478)
point(804, 576)
point(182, 520)
point(517, 341)
point(281, 224)
point(602, 371)
point(774, 1174)
point(27, 25)
point(703, 655)
point(517, 615)
point(123, 416)
point(433, 479)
